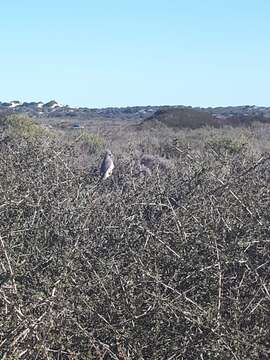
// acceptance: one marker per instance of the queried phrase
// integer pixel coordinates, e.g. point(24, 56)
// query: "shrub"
point(225, 145)
point(23, 126)
point(158, 267)
point(92, 143)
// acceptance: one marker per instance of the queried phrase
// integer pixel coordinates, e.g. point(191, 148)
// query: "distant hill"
point(193, 118)
point(54, 109)
point(180, 118)
point(178, 115)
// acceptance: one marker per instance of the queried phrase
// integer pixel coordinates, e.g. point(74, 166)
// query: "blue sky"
point(123, 53)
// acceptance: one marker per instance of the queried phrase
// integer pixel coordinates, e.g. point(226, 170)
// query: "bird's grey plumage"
point(149, 164)
point(144, 170)
point(107, 165)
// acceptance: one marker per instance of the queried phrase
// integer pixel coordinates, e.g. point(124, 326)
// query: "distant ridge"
point(55, 109)
point(193, 118)
point(180, 118)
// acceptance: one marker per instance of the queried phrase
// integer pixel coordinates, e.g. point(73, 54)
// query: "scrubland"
point(172, 265)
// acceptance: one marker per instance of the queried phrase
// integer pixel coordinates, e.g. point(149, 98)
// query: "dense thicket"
point(169, 266)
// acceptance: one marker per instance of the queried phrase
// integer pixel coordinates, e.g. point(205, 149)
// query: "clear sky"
point(136, 52)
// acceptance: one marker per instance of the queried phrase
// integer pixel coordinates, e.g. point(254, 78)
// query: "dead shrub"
point(160, 267)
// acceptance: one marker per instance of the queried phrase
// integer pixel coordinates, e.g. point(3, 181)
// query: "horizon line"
point(127, 106)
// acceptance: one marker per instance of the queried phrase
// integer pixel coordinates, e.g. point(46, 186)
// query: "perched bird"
point(144, 170)
point(149, 164)
point(107, 165)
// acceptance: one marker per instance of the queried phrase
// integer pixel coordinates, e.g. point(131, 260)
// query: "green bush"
point(22, 126)
point(93, 142)
point(225, 145)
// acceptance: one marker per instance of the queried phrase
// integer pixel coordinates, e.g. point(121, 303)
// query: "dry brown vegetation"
point(169, 266)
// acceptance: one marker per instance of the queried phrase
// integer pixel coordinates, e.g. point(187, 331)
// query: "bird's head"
point(108, 153)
